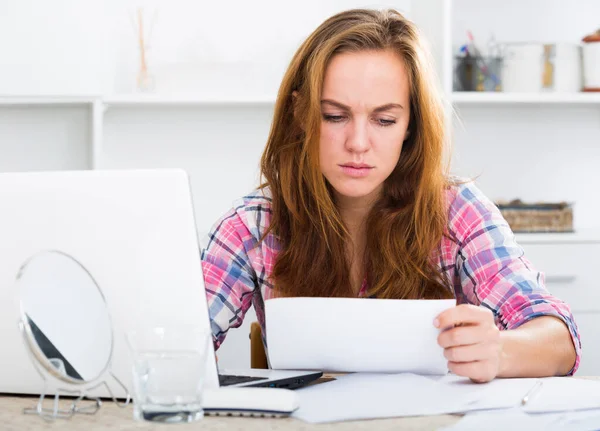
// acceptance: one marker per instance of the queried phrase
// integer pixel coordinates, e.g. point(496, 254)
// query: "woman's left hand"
point(471, 342)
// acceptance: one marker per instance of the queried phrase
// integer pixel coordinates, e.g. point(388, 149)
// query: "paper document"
point(370, 396)
point(517, 419)
point(557, 394)
point(510, 419)
point(497, 394)
point(355, 335)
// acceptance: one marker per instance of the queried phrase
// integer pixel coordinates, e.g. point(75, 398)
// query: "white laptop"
point(134, 232)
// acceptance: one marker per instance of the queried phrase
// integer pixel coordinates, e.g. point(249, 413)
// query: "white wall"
point(246, 45)
point(533, 153)
point(56, 47)
point(524, 20)
point(220, 147)
point(74, 47)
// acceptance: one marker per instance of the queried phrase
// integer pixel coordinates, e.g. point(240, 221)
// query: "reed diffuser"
point(144, 79)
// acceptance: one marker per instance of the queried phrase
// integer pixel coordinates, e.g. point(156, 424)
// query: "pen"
point(531, 392)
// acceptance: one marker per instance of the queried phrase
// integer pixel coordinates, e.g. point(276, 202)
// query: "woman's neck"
point(354, 212)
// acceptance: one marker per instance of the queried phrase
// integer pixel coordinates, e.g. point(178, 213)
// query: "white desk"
point(114, 418)
point(111, 417)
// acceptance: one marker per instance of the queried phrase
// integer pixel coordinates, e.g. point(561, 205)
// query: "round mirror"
point(65, 318)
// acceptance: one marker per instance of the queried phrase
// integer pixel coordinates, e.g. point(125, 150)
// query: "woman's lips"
point(356, 171)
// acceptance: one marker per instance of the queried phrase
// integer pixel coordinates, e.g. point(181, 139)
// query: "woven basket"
point(539, 217)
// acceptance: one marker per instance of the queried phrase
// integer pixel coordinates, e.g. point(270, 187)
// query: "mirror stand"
point(55, 412)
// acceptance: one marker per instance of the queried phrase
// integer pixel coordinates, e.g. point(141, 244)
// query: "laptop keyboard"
point(227, 380)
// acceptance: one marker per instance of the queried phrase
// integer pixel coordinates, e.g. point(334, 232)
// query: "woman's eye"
point(334, 118)
point(383, 122)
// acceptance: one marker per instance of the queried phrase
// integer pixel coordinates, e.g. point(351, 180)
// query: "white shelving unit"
point(547, 139)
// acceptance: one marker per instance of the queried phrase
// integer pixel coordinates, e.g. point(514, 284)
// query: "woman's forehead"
point(368, 78)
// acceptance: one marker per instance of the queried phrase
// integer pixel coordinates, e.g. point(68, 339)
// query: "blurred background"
point(180, 83)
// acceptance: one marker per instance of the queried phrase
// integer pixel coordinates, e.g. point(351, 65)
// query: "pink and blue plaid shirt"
point(480, 256)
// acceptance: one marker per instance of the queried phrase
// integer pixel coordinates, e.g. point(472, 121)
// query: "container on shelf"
point(562, 68)
point(537, 217)
point(477, 73)
point(591, 62)
point(523, 67)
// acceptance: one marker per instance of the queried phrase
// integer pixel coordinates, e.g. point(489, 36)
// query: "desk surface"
point(112, 417)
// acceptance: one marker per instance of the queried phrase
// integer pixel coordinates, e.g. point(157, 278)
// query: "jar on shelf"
point(562, 67)
point(523, 67)
point(591, 62)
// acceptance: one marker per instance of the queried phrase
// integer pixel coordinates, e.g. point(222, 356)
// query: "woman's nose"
point(358, 137)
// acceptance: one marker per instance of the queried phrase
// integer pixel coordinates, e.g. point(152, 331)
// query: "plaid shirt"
point(480, 256)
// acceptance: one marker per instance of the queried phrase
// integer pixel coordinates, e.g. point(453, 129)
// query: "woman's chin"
point(355, 192)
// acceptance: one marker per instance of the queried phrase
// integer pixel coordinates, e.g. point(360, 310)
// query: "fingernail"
point(436, 323)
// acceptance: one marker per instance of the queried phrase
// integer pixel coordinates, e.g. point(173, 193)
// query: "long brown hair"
point(405, 227)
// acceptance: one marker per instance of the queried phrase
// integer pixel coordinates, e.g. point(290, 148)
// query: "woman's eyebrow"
point(386, 107)
point(336, 104)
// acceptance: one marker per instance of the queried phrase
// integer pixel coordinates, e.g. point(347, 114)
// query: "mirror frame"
point(30, 340)
point(46, 370)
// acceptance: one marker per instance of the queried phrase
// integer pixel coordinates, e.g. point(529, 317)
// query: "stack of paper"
point(517, 419)
point(366, 396)
point(559, 403)
point(369, 396)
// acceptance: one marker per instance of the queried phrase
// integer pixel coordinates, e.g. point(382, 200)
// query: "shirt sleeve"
point(229, 278)
point(494, 271)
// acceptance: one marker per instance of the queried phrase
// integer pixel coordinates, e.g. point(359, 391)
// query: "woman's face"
point(365, 114)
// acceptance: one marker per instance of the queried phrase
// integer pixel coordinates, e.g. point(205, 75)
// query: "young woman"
point(356, 202)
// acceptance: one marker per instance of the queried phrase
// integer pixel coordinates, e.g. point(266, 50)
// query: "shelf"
point(136, 100)
point(150, 100)
point(133, 100)
point(578, 237)
point(47, 100)
point(475, 98)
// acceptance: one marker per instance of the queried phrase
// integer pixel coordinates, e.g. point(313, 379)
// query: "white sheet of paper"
point(370, 396)
point(581, 420)
point(497, 394)
point(517, 419)
point(355, 335)
point(502, 420)
point(559, 394)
